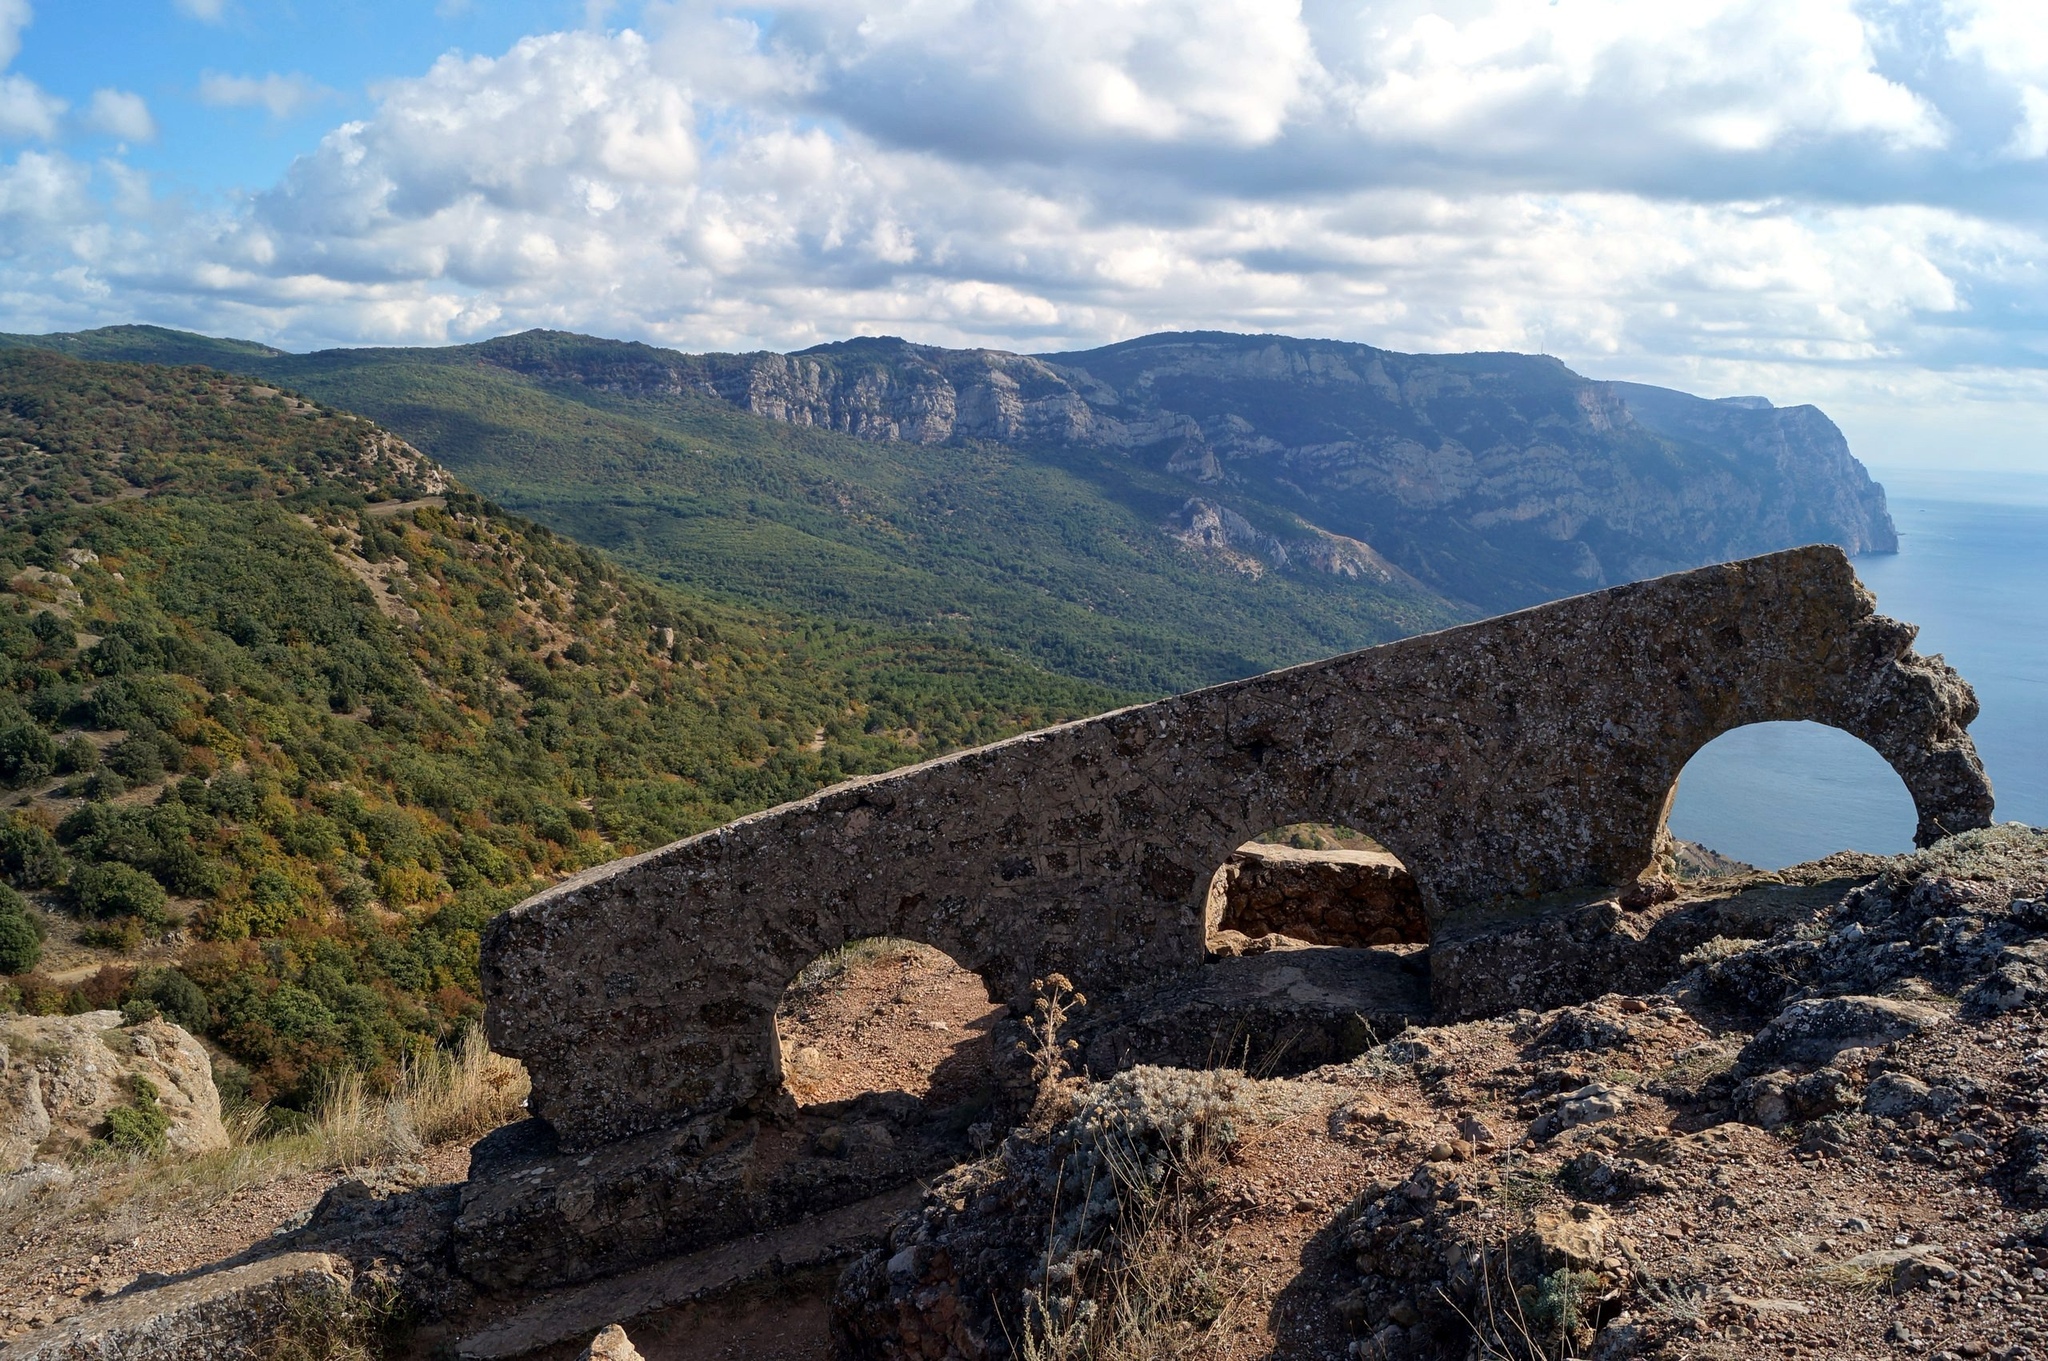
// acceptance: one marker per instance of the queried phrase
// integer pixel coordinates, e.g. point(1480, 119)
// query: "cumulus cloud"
point(14, 16)
point(2010, 42)
point(120, 113)
point(281, 95)
point(1732, 193)
point(27, 111)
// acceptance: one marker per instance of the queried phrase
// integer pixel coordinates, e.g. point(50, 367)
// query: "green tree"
point(21, 934)
point(115, 890)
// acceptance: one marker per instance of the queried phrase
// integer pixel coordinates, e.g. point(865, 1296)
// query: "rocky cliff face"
point(1499, 479)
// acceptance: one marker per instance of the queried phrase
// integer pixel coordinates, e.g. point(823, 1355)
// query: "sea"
point(1972, 572)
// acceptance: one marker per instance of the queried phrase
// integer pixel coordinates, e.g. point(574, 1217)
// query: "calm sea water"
point(1973, 574)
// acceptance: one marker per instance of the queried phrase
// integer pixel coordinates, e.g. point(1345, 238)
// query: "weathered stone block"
point(1321, 897)
point(242, 1313)
point(1527, 755)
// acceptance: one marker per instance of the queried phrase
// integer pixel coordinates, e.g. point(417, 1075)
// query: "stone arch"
point(1819, 755)
point(898, 989)
point(1528, 755)
point(1915, 717)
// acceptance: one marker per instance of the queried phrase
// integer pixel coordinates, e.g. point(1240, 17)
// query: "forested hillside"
point(1078, 559)
point(288, 713)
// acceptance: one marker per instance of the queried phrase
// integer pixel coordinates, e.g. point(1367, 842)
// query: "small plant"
point(1054, 1003)
point(1559, 1307)
point(140, 1126)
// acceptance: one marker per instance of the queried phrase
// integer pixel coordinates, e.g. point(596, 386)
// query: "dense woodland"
point(1051, 554)
point(287, 714)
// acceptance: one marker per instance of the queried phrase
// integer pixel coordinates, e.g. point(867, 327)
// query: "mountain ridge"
point(1156, 514)
point(1464, 446)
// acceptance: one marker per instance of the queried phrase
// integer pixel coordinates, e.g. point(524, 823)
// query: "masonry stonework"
point(1529, 755)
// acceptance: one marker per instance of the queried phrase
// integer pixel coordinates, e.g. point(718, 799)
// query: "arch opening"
point(1313, 884)
point(889, 1020)
point(1768, 795)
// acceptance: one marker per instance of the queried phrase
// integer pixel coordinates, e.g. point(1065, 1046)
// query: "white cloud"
point(281, 95)
point(207, 11)
point(119, 113)
point(43, 195)
point(14, 17)
point(2010, 42)
point(27, 110)
point(1732, 195)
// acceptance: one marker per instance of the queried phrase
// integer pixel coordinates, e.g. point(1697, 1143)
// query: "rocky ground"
point(887, 1016)
point(1827, 1144)
point(69, 1246)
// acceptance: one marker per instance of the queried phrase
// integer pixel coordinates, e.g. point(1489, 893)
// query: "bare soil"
point(898, 1017)
point(73, 1245)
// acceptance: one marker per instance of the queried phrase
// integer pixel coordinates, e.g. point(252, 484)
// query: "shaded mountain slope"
point(286, 704)
point(1077, 559)
point(1158, 514)
point(1498, 478)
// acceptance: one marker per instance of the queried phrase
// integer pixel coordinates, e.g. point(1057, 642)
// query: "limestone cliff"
point(1499, 479)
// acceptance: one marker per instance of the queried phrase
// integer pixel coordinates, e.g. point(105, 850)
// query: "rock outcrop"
point(1596, 1180)
point(293, 1304)
point(62, 1076)
point(1500, 479)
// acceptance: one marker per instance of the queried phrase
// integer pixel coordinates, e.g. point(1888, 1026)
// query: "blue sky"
point(1838, 201)
point(326, 56)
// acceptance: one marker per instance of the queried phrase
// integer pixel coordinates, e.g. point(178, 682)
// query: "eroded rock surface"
point(1830, 1142)
point(264, 1309)
point(61, 1075)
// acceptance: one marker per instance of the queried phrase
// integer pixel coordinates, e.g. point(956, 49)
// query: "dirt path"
point(902, 1018)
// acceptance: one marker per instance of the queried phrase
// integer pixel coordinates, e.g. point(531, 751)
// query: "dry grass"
point(442, 1096)
point(439, 1098)
point(1162, 1291)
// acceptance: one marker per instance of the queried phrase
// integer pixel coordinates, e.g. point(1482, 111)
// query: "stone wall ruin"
point(1528, 755)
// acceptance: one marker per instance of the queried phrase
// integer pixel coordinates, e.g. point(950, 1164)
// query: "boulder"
point(1818, 1028)
point(1904, 1269)
point(1777, 1098)
point(611, 1345)
point(1894, 1096)
point(1557, 1240)
point(1588, 1105)
point(243, 1313)
point(61, 1075)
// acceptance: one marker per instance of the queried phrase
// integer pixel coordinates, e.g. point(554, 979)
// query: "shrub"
point(102, 785)
point(175, 996)
point(21, 934)
point(139, 1126)
point(26, 752)
point(76, 755)
point(53, 630)
point(29, 855)
point(116, 890)
point(138, 759)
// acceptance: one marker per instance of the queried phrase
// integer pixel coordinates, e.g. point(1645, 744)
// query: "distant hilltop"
point(1498, 479)
point(1170, 510)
